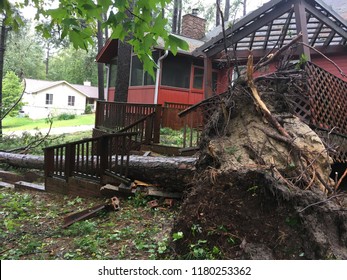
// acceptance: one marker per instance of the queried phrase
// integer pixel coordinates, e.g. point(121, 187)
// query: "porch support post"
point(207, 77)
point(301, 26)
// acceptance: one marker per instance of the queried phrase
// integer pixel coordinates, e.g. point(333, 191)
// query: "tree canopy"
point(12, 89)
point(139, 25)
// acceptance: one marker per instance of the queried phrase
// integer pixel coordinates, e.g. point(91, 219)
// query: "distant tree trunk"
point(179, 20)
point(100, 65)
point(174, 17)
point(47, 59)
point(244, 7)
point(227, 10)
point(104, 16)
point(217, 12)
point(2, 54)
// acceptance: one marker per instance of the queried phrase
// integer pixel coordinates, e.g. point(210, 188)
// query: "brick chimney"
point(193, 26)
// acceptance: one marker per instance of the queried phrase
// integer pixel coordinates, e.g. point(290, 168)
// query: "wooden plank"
point(26, 185)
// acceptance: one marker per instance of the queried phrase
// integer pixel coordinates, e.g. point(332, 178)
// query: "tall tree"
point(227, 10)
point(25, 53)
point(2, 54)
point(67, 63)
point(175, 17)
point(179, 17)
point(217, 12)
point(100, 65)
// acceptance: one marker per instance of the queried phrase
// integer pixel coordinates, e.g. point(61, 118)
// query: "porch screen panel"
point(136, 72)
point(176, 72)
point(113, 73)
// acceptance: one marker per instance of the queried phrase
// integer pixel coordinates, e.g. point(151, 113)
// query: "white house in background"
point(42, 98)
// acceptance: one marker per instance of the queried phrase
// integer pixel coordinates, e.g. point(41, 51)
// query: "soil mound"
point(257, 194)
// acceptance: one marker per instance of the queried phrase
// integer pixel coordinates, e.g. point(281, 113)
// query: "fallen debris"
point(139, 186)
point(90, 212)
point(27, 185)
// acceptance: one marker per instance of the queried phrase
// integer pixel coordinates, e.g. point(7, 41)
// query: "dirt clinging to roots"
point(249, 200)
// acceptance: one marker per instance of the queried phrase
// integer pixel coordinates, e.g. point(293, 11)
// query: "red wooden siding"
point(141, 94)
point(340, 60)
point(110, 95)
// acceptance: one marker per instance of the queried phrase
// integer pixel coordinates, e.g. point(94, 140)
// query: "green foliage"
point(66, 116)
point(24, 55)
point(11, 92)
point(201, 251)
point(303, 59)
point(88, 109)
point(177, 235)
point(31, 228)
point(77, 20)
point(67, 63)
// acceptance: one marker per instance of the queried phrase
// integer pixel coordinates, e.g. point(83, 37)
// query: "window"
point(176, 72)
point(71, 101)
point(49, 98)
point(138, 76)
point(198, 78)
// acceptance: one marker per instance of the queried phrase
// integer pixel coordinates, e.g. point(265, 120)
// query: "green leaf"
point(177, 235)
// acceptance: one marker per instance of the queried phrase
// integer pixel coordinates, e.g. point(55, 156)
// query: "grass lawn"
point(16, 123)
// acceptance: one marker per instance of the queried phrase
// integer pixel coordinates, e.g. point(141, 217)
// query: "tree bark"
point(101, 87)
point(2, 54)
point(217, 12)
point(227, 10)
point(172, 173)
point(174, 17)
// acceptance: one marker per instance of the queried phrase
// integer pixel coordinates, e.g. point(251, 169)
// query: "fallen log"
point(168, 172)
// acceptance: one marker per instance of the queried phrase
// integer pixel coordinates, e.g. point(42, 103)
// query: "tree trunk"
point(2, 54)
point(217, 12)
point(227, 10)
point(179, 20)
point(100, 65)
point(244, 7)
point(172, 173)
point(174, 17)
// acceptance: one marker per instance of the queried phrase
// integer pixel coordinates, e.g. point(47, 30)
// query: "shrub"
point(66, 116)
point(88, 109)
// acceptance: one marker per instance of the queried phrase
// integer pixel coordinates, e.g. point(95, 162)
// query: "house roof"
point(110, 49)
point(274, 24)
point(192, 44)
point(34, 86)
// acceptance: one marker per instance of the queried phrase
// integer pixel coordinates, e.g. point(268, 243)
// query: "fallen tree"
point(169, 172)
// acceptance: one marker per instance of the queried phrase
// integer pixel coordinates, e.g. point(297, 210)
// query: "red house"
point(203, 70)
point(180, 77)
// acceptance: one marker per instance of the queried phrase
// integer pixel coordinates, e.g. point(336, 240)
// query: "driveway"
point(54, 130)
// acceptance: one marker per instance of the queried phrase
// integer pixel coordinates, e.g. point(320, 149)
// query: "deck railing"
point(91, 158)
point(116, 116)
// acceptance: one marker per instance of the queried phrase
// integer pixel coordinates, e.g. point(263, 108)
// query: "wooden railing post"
point(103, 151)
point(156, 124)
point(69, 160)
point(98, 119)
point(49, 162)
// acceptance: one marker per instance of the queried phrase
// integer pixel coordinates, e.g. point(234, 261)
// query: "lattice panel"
point(335, 144)
point(328, 99)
